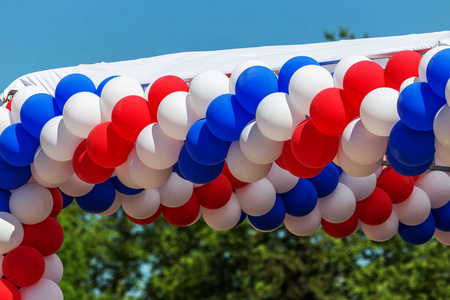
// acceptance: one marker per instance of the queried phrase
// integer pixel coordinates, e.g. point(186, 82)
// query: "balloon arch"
point(361, 141)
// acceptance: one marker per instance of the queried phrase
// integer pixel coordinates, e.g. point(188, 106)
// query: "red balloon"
point(294, 166)
point(129, 116)
point(397, 186)
point(23, 266)
point(148, 220)
point(47, 237)
point(375, 209)
point(280, 162)
point(57, 202)
point(161, 88)
point(341, 230)
point(106, 148)
point(215, 194)
point(235, 183)
point(311, 147)
point(8, 105)
point(330, 111)
point(401, 66)
point(86, 169)
point(362, 78)
point(8, 291)
point(183, 215)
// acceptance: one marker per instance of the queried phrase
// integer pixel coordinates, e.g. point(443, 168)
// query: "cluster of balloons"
point(301, 147)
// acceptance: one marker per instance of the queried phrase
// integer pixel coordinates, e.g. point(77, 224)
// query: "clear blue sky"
point(40, 35)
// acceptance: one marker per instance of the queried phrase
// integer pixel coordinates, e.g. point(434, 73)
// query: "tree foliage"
point(342, 34)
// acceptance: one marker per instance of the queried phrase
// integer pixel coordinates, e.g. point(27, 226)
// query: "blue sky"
point(40, 35)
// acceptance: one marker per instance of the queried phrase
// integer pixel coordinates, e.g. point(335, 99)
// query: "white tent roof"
point(186, 65)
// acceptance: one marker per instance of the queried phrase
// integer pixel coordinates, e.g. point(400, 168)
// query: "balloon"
point(353, 168)
point(384, 231)
point(86, 169)
point(4, 200)
point(196, 172)
point(272, 219)
point(327, 180)
point(442, 237)
point(339, 206)
point(176, 191)
point(8, 291)
point(76, 187)
point(203, 146)
point(82, 113)
point(401, 66)
point(36, 178)
point(183, 215)
point(23, 266)
point(418, 234)
point(362, 187)
point(241, 67)
point(362, 78)
point(50, 170)
point(257, 198)
point(303, 226)
point(282, 180)
point(423, 65)
point(398, 187)
point(71, 85)
point(215, 194)
point(342, 67)
point(301, 200)
point(436, 184)
point(142, 205)
point(17, 176)
point(204, 88)
point(37, 110)
point(289, 68)
point(253, 85)
point(47, 236)
point(415, 209)
point(17, 146)
point(342, 229)
point(441, 125)
point(102, 84)
point(443, 152)
point(256, 147)
point(53, 268)
point(294, 166)
point(123, 189)
point(57, 202)
point(311, 147)
point(5, 119)
point(442, 217)
point(31, 203)
point(20, 97)
point(306, 83)
point(114, 90)
point(176, 116)
point(408, 82)
point(375, 209)
point(147, 221)
point(11, 232)
point(277, 118)
point(43, 289)
point(438, 72)
point(242, 168)
point(67, 200)
point(235, 183)
point(117, 204)
point(225, 217)
point(408, 170)
point(99, 199)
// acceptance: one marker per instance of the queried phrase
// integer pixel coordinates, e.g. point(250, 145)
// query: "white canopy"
point(186, 65)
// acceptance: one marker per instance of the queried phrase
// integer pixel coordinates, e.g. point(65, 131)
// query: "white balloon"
point(20, 97)
point(5, 118)
point(442, 237)
point(81, 113)
point(1, 262)
point(441, 125)
point(277, 118)
point(378, 111)
point(306, 225)
point(241, 67)
point(415, 209)
point(423, 65)
point(362, 187)
point(76, 187)
point(242, 168)
point(142, 205)
point(407, 82)
point(124, 177)
point(156, 149)
point(258, 148)
point(436, 184)
point(362, 146)
point(223, 218)
point(176, 116)
point(43, 289)
point(205, 87)
point(116, 89)
point(339, 206)
point(11, 232)
point(36, 178)
point(282, 180)
point(343, 66)
point(117, 204)
point(257, 198)
point(31, 203)
point(384, 231)
point(443, 152)
point(53, 268)
point(353, 168)
point(306, 83)
point(143, 176)
point(50, 170)
point(176, 191)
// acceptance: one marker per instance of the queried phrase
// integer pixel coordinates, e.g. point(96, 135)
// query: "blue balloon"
point(242, 219)
point(438, 72)
point(37, 110)
point(203, 146)
point(411, 147)
point(99, 199)
point(102, 84)
point(290, 67)
point(442, 217)
point(176, 169)
point(271, 220)
point(253, 85)
point(70, 85)
point(327, 180)
point(4, 200)
point(405, 169)
point(226, 118)
point(301, 199)
point(418, 105)
point(123, 189)
point(195, 172)
point(17, 146)
point(13, 177)
point(418, 234)
point(67, 200)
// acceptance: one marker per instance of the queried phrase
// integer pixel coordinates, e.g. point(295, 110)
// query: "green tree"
point(342, 34)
